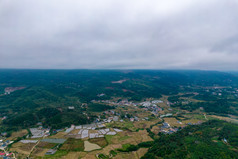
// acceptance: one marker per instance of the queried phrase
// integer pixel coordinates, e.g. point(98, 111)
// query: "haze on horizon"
point(155, 34)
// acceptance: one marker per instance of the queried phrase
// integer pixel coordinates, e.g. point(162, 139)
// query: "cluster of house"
point(95, 130)
point(101, 95)
point(170, 131)
point(218, 91)
point(150, 103)
point(125, 102)
point(120, 81)
point(198, 123)
point(5, 155)
point(132, 119)
point(3, 118)
point(51, 152)
point(4, 144)
point(116, 118)
point(154, 109)
point(55, 141)
point(111, 112)
point(71, 107)
point(167, 129)
point(9, 90)
point(39, 132)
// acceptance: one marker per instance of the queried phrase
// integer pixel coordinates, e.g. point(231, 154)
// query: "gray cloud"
point(119, 34)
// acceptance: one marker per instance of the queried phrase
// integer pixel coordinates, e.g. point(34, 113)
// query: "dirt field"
point(173, 122)
point(102, 142)
point(193, 121)
point(74, 155)
point(155, 129)
point(106, 150)
point(141, 152)
point(72, 134)
point(73, 145)
point(22, 148)
point(61, 135)
point(126, 137)
point(132, 155)
point(39, 152)
point(224, 118)
point(18, 134)
point(145, 124)
point(45, 145)
point(90, 146)
point(164, 104)
point(123, 125)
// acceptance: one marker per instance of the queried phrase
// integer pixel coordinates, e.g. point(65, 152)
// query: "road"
point(35, 146)
point(205, 116)
point(14, 156)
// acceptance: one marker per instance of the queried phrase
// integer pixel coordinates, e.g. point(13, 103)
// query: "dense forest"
point(213, 139)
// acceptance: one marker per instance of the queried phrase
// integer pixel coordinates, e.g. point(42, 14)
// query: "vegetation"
point(102, 142)
point(99, 107)
point(56, 99)
point(73, 145)
point(48, 93)
point(197, 142)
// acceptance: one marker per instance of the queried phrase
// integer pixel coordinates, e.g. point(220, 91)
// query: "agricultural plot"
point(73, 145)
point(126, 137)
point(17, 134)
point(58, 154)
point(99, 141)
point(55, 141)
point(156, 129)
point(173, 122)
point(22, 148)
point(72, 155)
point(145, 124)
point(106, 150)
point(122, 125)
point(132, 155)
point(192, 121)
point(61, 135)
point(46, 145)
point(40, 152)
point(223, 118)
point(90, 146)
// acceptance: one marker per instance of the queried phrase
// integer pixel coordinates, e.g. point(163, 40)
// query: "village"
point(155, 114)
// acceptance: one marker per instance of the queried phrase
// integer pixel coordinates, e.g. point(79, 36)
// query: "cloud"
point(132, 34)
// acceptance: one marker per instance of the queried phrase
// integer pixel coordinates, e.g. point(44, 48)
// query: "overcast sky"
point(119, 34)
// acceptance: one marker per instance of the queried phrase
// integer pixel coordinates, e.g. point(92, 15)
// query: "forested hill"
point(40, 94)
point(44, 77)
point(137, 84)
point(234, 73)
point(212, 139)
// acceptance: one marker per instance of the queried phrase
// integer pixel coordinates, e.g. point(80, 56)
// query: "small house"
point(51, 152)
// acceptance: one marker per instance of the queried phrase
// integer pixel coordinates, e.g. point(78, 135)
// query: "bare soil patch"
point(90, 146)
point(99, 141)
